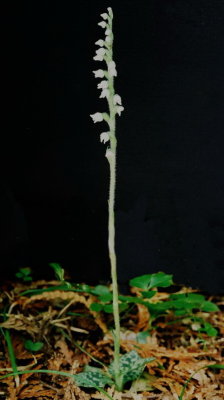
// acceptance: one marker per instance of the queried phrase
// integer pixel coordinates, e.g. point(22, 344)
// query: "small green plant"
point(24, 274)
point(33, 346)
point(184, 306)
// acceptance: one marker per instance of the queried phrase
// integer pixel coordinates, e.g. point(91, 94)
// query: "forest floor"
point(57, 330)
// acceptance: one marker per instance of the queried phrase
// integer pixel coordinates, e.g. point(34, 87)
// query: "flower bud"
point(109, 153)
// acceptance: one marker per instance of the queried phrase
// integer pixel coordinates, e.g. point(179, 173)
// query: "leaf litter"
point(75, 336)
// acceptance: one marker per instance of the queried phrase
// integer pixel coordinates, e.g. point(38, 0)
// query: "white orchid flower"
point(99, 73)
point(108, 31)
point(104, 15)
point(102, 85)
point(101, 51)
point(97, 117)
point(112, 68)
point(119, 109)
point(100, 43)
point(109, 153)
point(108, 39)
point(105, 93)
point(104, 137)
point(102, 24)
point(117, 99)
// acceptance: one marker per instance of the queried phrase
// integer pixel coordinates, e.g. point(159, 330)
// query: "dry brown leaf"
point(20, 323)
point(64, 350)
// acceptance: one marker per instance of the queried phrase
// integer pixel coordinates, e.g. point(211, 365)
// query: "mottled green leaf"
point(93, 378)
point(131, 366)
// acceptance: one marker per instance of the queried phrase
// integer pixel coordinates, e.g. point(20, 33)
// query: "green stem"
point(12, 357)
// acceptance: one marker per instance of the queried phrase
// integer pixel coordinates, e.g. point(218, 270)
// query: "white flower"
point(104, 15)
point(104, 93)
point(109, 9)
point(102, 24)
point(108, 31)
point(109, 153)
point(101, 52)
point(100, 42)
point(97, 117)
point(104, 137)
point(112, 68)
point(99, 73)
point(119, 109)
point(108, 39)
point(102, 85)
point(117, 99)
point(98, 58)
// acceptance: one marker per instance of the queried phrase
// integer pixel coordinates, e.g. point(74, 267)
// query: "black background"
point(54, 176)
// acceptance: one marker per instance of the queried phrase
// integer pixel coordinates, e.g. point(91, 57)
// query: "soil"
point(64, 324)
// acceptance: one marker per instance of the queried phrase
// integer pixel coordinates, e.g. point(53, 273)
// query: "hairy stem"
point(111, 236)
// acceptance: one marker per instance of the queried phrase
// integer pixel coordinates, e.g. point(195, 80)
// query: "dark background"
point(54, 175)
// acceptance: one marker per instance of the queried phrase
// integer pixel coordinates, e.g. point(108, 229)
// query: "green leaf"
point(92, 378)
point(100, 290)
point(27, 278)
point(161, 280)
point(149, 294)
point(106, 297)
point(141, 282)
point(24, 273)
point(216, 366)
point(33, 346)
point(208, 306)
point(209, 329)
point(96, 307)
point(108, 308)
point(142, 337)
point(131, 366)
point(149, 281)
point(58, 270)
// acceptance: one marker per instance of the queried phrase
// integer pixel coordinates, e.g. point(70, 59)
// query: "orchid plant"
point(105, 54)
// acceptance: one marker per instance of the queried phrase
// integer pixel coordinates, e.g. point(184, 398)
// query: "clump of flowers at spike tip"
point(105, 54)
